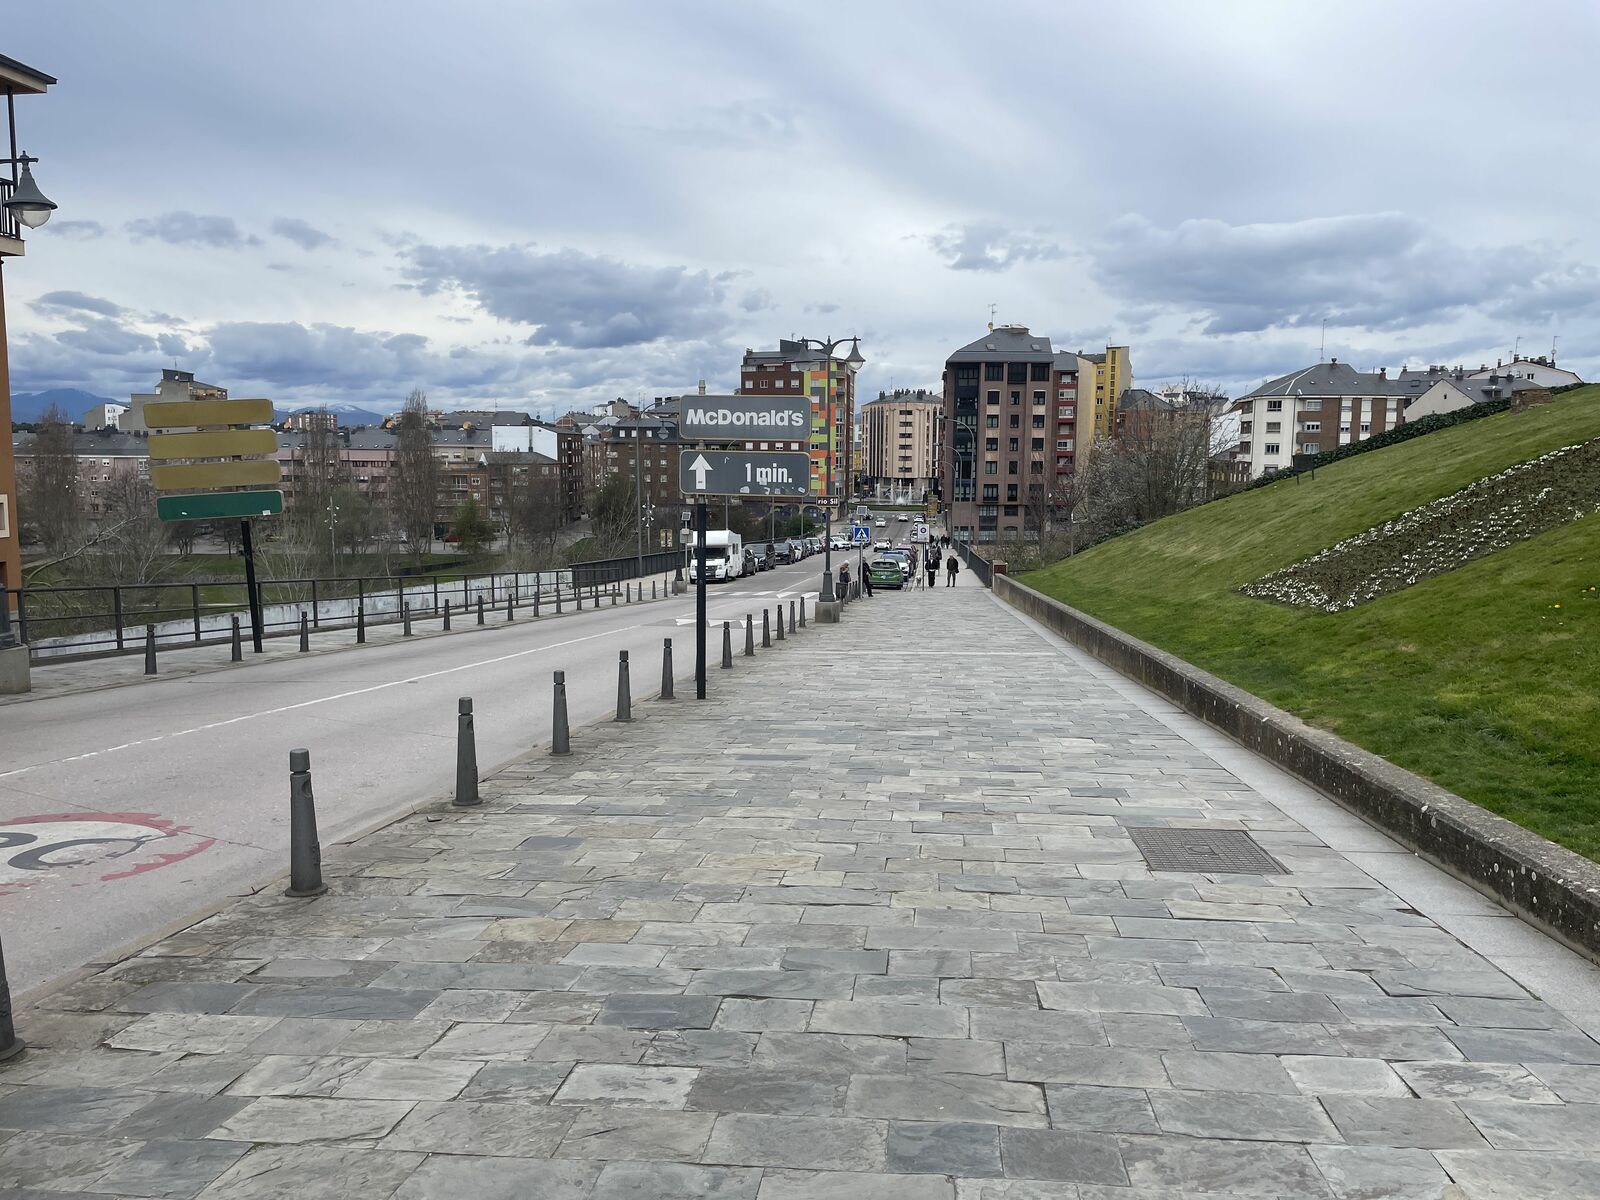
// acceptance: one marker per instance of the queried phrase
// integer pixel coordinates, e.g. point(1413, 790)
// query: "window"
point(1038, 397)
point(1038, 444)
point(1038, 420)
point(1274, 405)
point(1066, 412)
point(1016, 397)
point(1274, 426)
point(1012, 468)
point(1036, 467)
point(1270, 448)
point(765, 382)
point(994, 372)
point(993, 397)
point(1012, 445)
point(1011, 511)
point(991, 444)
point(1312, 427)
point(1040, 372)
point(1311, 448)
point(991, 492)
point(1366, 427)
point(989, 468)
point(992, 421)
point(1011, 492)
point(1345, 427)
point(1016, 421)
point(1312, 405)
point(1017, 372)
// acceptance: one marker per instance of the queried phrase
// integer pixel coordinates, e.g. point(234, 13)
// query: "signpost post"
point(706, 472)
point(219, 448)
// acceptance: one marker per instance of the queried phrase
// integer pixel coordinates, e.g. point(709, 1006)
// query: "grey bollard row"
point(560, 735)
point(749, 636)
point(791, 616)
point(613, 595)
point(511, 606)
point(466, 756)
point(447, 616)
point(149, 649)
point(624, 689)
point(802, 612)
point(10, 1044)
point(305, 634)
point(652, 589)
point(780, 620)
point(727, 646)
point(405, 620)
point(361, 624)
point(536, 598)
point(558, 597)
point(766, 629)
point(627, 595)
point(305, 852)
point(236, 652)
point(666, 669)
point(480, 608)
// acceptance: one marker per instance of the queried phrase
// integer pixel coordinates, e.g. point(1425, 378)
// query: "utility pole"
point(638, 497)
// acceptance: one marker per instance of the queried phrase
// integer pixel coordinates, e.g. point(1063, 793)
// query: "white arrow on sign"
point(699, 466)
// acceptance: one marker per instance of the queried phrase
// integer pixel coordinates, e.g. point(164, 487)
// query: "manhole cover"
point(1204, 850)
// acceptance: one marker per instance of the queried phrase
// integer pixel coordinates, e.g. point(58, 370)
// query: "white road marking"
point(272, 712)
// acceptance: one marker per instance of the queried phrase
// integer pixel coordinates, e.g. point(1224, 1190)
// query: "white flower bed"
point(1440, 536)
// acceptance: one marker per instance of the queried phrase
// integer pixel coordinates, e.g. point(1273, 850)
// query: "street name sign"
point(216, 448)
point(744, 473)
point(217, 506)
point(745, 419)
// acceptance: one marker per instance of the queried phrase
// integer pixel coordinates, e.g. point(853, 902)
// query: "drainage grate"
point(1206, 851)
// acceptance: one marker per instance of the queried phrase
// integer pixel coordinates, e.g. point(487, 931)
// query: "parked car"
point(882, 544)
point(783, 552)
point(886, 572)
point(751, 563)
point(904, 557)
point(841, 543)
point(813, 546)
point(763, 559)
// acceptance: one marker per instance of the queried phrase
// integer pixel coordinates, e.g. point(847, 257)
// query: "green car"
point(886, 572)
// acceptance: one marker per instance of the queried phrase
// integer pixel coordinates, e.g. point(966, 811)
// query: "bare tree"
point(414, 481)
point(52, 492)
point(139, 551)
point(534, 511)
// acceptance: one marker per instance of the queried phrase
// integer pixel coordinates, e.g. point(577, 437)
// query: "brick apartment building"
point(797, 368)
point(1010, 429)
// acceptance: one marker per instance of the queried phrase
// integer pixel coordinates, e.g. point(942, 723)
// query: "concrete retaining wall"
point(1552, 887)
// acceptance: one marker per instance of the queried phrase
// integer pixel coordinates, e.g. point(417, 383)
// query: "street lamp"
point(854, 361)
point(26, 202)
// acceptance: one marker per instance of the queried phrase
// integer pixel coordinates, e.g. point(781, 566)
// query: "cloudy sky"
point(542, 205)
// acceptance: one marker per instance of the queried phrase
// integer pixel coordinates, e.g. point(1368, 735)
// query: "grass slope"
point(1485, 679)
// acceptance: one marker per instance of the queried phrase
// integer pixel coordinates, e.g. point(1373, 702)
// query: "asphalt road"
point(188, 776)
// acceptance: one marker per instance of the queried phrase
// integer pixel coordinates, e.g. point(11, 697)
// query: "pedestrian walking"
point(844, 580)
point(930, 564)
point(951, 566)
point(866, 580)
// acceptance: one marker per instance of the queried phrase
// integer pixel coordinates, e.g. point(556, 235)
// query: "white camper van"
point(724, 557)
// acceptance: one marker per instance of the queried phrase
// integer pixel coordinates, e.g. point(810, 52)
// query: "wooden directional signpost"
point(212, 462)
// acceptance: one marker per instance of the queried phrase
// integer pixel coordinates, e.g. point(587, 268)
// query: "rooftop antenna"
point(992, 307)
point(1553, 341)
point(1516, 349)
point(1322, 348)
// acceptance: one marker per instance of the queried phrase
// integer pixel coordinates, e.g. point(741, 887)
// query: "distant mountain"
point(31, 406)
point(348, 414)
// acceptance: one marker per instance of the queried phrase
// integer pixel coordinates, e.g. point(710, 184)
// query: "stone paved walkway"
point(867, 925)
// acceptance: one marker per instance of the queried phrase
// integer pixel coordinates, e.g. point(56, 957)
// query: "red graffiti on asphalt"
point(33, 849)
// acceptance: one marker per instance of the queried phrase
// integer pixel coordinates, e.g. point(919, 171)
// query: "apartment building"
point(1002, 410)
point(104, 459)
point(1105, 377)
point(641, 449)
point(173, 385)
point(1319, 408)
point(899, 435)
point(797, 367)
point(105, 416)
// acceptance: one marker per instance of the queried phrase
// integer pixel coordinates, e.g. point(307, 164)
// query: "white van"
point(724, 557)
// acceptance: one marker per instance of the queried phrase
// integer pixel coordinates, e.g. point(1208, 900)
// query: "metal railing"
point(615, 570)
point(975, 563)
point(66, 623)
point(10, 225)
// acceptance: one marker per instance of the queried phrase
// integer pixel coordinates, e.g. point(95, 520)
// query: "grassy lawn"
point(1482, 679)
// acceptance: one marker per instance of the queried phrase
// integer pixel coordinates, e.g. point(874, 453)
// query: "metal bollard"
point(405, 620)
point(535, 601)
point(480, 608)
point(558, 599)
point(305, 852)
point(10, 1044)
point(624, 690)
point(749, 636)
point(652, 589)
point(361, 624)
point(149, 649)
point(766, 629)
point(560, 736)
point(237, 653)
point(511, 607)
point(305, 634)
point(780, 620)
point(613, 595)
point(447, 616)
point(466, 756)
point(802, 612)
point(791, 616)
point(727, 646)
point(666, 669)
point(627, 595)
point(577, 597)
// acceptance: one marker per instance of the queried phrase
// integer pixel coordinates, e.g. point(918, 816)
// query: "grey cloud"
point(102, 336)
point(181, 228)
point(287, 354)
point(171, 345)
point(822, 308)
point(83, 230)
point(759, 300)
point(301, 233)
point(981, 246)
point(1381, 271)
point(575, 299)
point(79, 302)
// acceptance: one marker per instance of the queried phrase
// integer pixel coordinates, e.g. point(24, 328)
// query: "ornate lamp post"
point(853, 363)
